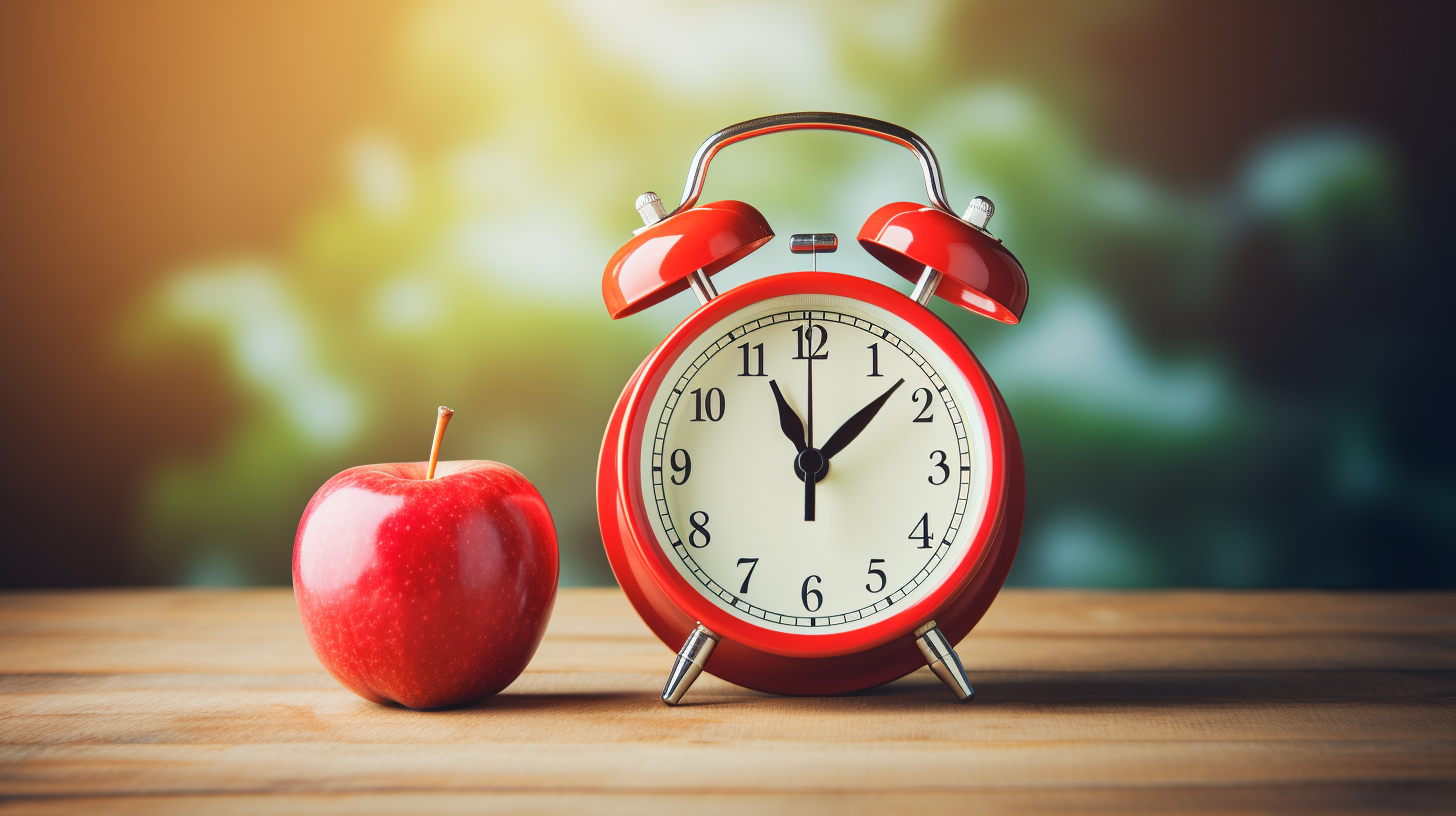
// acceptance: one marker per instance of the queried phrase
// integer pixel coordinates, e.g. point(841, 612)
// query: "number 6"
point(805, 592)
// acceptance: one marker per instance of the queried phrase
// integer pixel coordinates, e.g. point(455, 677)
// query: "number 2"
point(924, 415)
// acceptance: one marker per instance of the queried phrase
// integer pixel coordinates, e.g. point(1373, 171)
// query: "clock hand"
point(809, 341)
point(793, 428)
point(810, 461)
point(857, 423)
point(789, 422)
point(810, 479)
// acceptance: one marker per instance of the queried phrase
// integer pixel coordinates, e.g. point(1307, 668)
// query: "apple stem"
point(441, 421)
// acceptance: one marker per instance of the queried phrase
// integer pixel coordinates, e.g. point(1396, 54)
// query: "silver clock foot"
point(943, 661)
point(689, 664)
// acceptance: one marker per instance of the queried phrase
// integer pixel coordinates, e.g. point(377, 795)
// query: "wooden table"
point(210, 701)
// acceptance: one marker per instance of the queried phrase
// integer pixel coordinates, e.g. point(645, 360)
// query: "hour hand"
point(789, 421)
point(857, 423)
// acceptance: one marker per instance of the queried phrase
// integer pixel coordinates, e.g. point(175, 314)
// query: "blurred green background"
point(246, 245)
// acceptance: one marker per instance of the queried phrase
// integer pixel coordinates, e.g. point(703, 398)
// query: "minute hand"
point(857, 423)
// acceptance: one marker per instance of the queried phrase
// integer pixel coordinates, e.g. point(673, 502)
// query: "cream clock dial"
point(845, 391)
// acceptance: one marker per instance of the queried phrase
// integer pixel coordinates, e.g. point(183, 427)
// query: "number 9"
point(686, 468)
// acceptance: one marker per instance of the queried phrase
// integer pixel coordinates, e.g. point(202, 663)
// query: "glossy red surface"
point(429, 593)
point(980, 273)
point(796, 663)
point(654, 265)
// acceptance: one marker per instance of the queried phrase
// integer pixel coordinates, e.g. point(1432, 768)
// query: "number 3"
point(944, 468)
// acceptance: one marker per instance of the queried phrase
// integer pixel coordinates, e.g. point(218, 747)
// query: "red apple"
point(429, 591)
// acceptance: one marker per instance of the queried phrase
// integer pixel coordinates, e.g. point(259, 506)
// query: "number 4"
point(921, 532)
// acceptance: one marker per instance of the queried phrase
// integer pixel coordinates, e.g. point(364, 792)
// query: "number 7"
point(752, 565)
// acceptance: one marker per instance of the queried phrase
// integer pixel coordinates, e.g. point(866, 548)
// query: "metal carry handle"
point(814, 120)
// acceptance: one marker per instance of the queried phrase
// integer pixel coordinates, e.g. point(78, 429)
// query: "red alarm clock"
point(812, 486)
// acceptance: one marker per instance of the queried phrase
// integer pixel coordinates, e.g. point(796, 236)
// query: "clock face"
point(846, 391)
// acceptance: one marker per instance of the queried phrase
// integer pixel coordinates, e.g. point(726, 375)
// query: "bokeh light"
point(1233, 370)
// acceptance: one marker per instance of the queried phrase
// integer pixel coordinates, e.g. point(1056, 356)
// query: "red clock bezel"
point(690, 601)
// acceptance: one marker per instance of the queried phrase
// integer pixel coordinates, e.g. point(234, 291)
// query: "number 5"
point(881, 573)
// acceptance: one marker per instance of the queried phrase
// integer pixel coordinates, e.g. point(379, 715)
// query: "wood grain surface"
point(1209, 702)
